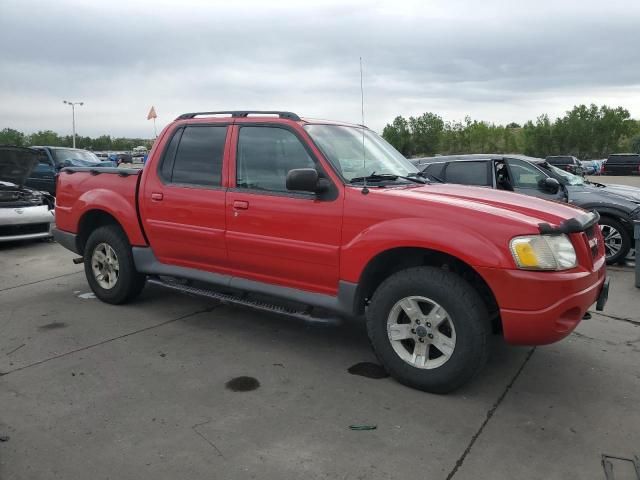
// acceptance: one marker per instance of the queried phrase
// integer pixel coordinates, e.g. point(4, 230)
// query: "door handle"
point(240, 205)
point(156, 197)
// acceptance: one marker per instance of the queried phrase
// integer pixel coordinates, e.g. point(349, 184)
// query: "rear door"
point(275, 235)
point(183, 199)
point(476, 173)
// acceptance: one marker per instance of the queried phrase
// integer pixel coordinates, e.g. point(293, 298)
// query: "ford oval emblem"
point(19, 211)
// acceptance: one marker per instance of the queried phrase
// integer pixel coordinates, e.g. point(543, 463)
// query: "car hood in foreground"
point(16, 163)
point(505, 206)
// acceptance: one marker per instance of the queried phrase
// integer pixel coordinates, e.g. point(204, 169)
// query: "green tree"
point(398, 134)
point(48, 137)
point(425, 132)
point(9, 136)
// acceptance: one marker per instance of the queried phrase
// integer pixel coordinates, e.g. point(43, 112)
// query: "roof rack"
point(242, 114)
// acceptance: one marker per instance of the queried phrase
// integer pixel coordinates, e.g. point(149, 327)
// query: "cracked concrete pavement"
point(90, 390)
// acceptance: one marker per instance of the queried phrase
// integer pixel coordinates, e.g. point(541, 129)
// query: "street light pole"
point(73, 117)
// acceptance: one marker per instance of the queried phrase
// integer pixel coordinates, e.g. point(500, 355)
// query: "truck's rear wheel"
point(109, 267)
point(429, 328)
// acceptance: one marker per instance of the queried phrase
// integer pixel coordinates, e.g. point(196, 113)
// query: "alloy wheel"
point(105, 267)
point(421, 332)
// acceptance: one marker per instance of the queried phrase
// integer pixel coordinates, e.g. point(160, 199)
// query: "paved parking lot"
point(90, 390)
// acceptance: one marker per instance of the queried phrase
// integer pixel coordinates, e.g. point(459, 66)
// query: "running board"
point(229, 299)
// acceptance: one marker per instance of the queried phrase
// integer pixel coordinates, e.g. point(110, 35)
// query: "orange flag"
point(152, 113)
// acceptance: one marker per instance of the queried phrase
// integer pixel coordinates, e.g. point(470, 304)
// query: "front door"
point(183, 202)
point(525, 178)
point(275, 235)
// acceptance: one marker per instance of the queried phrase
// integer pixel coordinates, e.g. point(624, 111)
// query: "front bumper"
point(26, 223)
point(538, 308)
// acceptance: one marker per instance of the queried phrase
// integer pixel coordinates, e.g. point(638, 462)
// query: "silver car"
point(24, 213)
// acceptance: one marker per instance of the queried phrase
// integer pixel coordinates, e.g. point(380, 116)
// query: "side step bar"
point(229, 299)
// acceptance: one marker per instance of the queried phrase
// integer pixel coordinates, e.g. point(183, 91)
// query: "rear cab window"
point(194, 156)
point(624, 159)
point(560, 160)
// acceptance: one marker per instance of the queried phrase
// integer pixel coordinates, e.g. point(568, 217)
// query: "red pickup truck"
point(310, 218)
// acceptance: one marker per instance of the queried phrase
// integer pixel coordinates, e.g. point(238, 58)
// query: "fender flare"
point(470, 246)
point(114, 204)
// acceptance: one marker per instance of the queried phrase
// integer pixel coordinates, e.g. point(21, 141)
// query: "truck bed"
point(114, 189)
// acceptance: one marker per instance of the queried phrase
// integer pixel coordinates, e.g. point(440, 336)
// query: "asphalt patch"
point(242, 384)
point(52, 326)
point(368, 369)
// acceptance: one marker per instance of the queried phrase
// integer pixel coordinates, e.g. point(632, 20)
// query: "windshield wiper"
point(424, 174)
point(381, 177)
point(594, 183)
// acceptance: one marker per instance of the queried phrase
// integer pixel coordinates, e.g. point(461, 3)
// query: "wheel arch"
point(393, 260)
point(91, 220)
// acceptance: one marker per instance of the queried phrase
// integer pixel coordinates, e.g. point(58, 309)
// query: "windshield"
point(78, 158)
point(564, 176)
point(343, 146)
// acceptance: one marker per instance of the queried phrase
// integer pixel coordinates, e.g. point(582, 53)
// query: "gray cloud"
point(493, 60)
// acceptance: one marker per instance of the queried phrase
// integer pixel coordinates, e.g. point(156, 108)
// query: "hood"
point(510, 206)
point(632, 193)
point(16, 164)
point(616, 196)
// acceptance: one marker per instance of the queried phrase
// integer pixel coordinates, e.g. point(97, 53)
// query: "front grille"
point(27, 229)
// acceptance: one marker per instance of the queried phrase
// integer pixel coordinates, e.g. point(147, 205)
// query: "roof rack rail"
point(242, 114)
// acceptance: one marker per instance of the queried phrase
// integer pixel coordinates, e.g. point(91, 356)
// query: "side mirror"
point(550, 185)
point(305, 180)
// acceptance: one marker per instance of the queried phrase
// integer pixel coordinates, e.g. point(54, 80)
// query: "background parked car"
point(119, 158)
point(566, 162)
point(53, 159)
point(622, 164)
point(592, 167)
point(617, 205)
point(24, 213)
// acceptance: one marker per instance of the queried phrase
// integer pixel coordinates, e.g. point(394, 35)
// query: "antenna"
point(365, 190)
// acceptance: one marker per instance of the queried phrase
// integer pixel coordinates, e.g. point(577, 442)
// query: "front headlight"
point(543, 252)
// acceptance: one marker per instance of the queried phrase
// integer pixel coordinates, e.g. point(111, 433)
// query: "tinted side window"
point(265, 156)
point(166, 167)
point(43, 159)
point(524, 175)
point(468, 173)
point(198, 158)
point(435, 169)
point(624, 159)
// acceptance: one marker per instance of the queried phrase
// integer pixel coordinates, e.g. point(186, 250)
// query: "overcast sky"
point(499, 61)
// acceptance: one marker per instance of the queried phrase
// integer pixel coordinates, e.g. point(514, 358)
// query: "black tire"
point(129, 282)
point(466, 310)
point(625, 244)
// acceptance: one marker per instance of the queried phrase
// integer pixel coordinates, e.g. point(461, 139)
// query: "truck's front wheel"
point(429, 328)
point(109, 267)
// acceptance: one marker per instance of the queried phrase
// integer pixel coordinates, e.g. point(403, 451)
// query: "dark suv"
point(622, 164)
point(617, 205)
point(566, 162)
